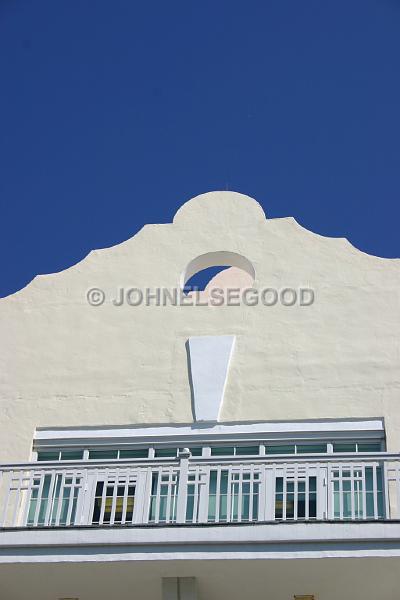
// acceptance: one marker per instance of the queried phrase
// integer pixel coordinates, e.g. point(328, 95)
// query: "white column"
point(179, 588)
point(184, 455)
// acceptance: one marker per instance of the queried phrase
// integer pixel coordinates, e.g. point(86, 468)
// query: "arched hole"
point(201, 279)
point(220, 269)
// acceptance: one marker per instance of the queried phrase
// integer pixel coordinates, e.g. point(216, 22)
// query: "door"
point(356, 491)
point(218, 494)
point(54, 498)
point(300, 493)
point(111, 497)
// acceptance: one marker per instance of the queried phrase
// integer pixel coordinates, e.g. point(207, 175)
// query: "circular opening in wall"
point(217, 270)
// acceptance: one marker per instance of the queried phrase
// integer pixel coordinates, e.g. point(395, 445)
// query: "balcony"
point(196, 491)
point(128, 529)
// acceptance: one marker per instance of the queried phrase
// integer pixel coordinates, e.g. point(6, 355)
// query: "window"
point(198, 451)
point(233, 497)
point(44, 456)
point(48, 456)
point(235, 450)
point(138, 453)
point(280, 449)
point(311, 448)
point(165, 452)
point(247, 450)
point(358, 493)
point(113, 505)
point(291, 501)
point(357, 447)
point(103, 454)
point(219, 449)
point(296, 449)
point(53, 499)
point(223, 451)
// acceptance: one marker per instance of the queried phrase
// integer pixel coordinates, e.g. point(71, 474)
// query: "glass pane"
point(163, 508)
point(44, 456)
point(165, 452)
point(130, 505)
point(190, 503)
point(278, 506)
point(336, 505)
point(213, 482)
point(97, 502)
point(344, 447)
point(369, 479)
point(223, 498)
point(211, 508)
point(379, 482)
point(279, 498)
point(277, 449)
point(222, 451)
point(346, 505)
point(311, 448)
point(223, 507)
point(245, 507)
point(301, 506)
point(103, 454)
point(212, 496)
point(134, 453)
point(312, 506)
point(255, 507)
point(247, 450)
point(369, 504)
point(234, 502)
point(71, 454)
point(224, 482)
point(152, 512)
point(369, 447)
point(154, 484)
point(196, 451)
point(289, 506)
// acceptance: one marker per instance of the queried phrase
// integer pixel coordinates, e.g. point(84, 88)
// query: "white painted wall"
point(65, 363)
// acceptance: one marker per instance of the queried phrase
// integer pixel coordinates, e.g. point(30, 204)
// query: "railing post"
point(184, 456)
point(142, 496)
point(386, 490)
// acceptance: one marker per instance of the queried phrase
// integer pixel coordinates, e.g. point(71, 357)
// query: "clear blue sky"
point(115, 112)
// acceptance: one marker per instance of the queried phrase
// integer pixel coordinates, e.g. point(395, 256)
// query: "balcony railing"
point(198, 490)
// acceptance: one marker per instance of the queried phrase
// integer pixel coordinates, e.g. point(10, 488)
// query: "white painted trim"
point(296, 540)
point(197, 433)
point(210, 357)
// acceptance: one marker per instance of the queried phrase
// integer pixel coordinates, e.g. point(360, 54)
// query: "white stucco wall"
point(66, 363)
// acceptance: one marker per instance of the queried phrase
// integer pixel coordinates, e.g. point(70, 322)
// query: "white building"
point(157, 450)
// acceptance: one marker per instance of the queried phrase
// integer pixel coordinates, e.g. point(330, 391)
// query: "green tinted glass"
point(165, 452)
point(44, 456)
point(103, 454)
point(247, 450)
point(280, 449)
point(369, 447)
point(71, 454)
point(196, 451)
point(134, 453)
point(344, 447)
point(222, 451)
point(311, 448)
